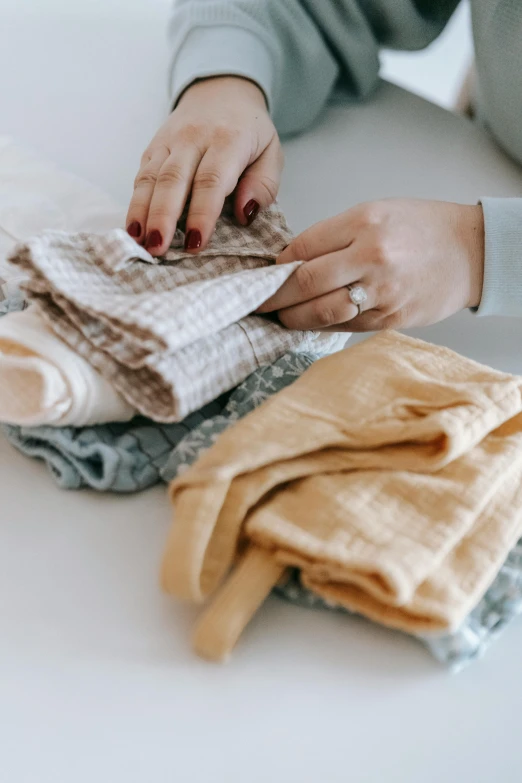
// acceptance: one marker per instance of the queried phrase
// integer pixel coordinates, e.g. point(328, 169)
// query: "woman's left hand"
point(418, 261)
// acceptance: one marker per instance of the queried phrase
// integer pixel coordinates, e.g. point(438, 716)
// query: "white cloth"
point(42, 381)
point(35, 195)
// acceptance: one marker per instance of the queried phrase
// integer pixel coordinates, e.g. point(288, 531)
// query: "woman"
point(394, 263)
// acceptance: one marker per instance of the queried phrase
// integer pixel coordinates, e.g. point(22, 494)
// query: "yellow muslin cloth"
point(389, 473)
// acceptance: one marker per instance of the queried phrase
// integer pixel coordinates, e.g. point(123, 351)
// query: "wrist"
point(227, 85)
point(473, 227)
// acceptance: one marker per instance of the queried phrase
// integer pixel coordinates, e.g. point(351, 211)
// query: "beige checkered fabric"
point(170, 334)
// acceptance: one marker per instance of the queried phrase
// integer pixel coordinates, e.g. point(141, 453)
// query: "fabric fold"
point(118, 457)
point(131, 456)
point(397, 496)
point(44, 382)
point(224, 620)
point(170, 334)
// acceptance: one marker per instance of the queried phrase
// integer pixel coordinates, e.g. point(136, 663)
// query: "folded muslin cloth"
point(131, 456)
point(500, 605)
point(35, 195)
point(169, 336)
point(43, 381)
point(389, 474)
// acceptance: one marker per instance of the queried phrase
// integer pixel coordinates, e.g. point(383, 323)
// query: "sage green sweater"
point(298, 51)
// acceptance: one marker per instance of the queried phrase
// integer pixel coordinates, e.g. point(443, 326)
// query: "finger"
point(325, 311)
point(333, 309)
point(318, 240)
point(368, 321)
point(215, 179)
point(143, 190)
point(379, 319)
point(259, 185)
point(316, 278)
point(170, 194)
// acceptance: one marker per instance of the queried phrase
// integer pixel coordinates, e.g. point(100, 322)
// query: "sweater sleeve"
point(502, 287)
point(297, 51)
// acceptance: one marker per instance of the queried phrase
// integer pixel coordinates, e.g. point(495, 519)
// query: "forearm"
point(296, 50)
point(271, 43)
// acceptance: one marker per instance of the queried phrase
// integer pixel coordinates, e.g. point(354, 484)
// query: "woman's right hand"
point(219, 140)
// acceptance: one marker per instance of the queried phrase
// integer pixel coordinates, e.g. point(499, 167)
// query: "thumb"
point(258, 186)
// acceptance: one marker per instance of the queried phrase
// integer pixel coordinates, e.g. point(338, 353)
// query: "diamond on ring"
point(358, 295)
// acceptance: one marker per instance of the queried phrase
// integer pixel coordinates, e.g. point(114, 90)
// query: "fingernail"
point(134, 230)
point(193, 239)
point(154, 239)
point(250, 211)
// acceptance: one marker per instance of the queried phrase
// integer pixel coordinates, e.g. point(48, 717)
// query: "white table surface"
point(97, 681)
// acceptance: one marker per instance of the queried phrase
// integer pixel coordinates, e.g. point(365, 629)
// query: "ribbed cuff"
point(221, 51)
point(502, 287)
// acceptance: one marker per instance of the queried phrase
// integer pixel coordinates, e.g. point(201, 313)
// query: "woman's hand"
point(419, 262)
point(218, 140)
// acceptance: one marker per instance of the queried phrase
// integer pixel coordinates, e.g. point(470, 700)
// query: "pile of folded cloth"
point(113, 332)
point(381, 480)
point(389, 475)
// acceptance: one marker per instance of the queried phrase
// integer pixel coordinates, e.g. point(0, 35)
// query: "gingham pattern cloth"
point(170, 334)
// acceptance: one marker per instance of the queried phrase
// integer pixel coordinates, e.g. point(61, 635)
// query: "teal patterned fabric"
point(256, 389)
point(122, 457)
point(132, 456)
point(501, 604)
point(11, 297)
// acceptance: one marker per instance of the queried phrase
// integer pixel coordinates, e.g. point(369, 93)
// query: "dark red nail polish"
point(250, 211)
point(193, 239)
point(134, 230)
point(154, 239)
